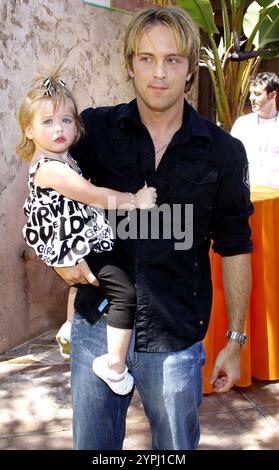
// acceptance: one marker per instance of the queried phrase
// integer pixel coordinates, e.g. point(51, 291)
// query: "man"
point(160, 139)
point(259, 130)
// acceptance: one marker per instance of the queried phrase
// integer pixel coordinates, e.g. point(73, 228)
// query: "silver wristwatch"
point(240, 337)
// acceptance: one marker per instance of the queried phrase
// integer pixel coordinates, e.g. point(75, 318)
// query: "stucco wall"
point(88, 40)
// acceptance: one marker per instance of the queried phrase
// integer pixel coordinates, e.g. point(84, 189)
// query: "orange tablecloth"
point(260, 356)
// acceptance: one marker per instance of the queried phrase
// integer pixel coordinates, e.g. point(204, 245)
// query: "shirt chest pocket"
point(195, 181)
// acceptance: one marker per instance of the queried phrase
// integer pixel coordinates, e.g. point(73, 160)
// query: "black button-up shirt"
point(204, 167)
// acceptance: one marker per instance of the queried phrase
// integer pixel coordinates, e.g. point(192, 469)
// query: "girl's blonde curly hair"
point(48, 85)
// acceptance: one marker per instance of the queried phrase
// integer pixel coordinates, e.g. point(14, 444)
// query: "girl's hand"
point(146, 197)
point(78, 274)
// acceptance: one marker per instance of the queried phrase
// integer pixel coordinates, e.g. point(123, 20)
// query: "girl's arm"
point(68, 182)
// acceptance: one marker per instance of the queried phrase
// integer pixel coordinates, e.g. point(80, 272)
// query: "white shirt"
point(260, 138)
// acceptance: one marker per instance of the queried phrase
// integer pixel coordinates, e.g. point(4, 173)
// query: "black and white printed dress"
point(60, 230)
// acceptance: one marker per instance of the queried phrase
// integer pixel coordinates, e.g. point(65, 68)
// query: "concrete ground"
point(35, 411)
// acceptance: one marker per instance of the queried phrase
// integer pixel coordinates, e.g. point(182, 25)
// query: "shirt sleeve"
point(232, 207)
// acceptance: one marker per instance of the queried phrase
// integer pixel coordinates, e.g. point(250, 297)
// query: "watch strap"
point(237, 336)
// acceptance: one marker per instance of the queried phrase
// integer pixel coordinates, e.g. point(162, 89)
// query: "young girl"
point(63, 226)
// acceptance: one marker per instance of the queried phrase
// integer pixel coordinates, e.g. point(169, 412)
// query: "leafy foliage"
point(233, 56)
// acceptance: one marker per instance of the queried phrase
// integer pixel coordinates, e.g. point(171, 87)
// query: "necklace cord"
point(161, 148)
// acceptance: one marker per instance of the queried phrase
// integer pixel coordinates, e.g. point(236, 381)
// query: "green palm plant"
point(233, 57)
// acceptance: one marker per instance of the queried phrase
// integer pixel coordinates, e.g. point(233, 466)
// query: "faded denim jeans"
point(169, 384)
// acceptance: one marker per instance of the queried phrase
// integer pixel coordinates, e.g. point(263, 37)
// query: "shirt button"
point(201, 322)
point(194, 293)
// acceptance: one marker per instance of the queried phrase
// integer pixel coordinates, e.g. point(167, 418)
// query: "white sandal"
point(120, 383)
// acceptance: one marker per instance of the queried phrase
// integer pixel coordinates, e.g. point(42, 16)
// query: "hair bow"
point(49, 87)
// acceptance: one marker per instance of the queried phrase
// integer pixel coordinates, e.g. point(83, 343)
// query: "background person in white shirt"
point(259, 130)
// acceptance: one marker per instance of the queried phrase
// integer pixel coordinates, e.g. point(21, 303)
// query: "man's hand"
point(78, 274)
point(228, 365)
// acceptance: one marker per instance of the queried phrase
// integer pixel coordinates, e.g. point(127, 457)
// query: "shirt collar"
point(129, 113)
point(193, 124)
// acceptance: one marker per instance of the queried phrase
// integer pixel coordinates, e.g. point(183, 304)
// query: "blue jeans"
point(169, 384)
